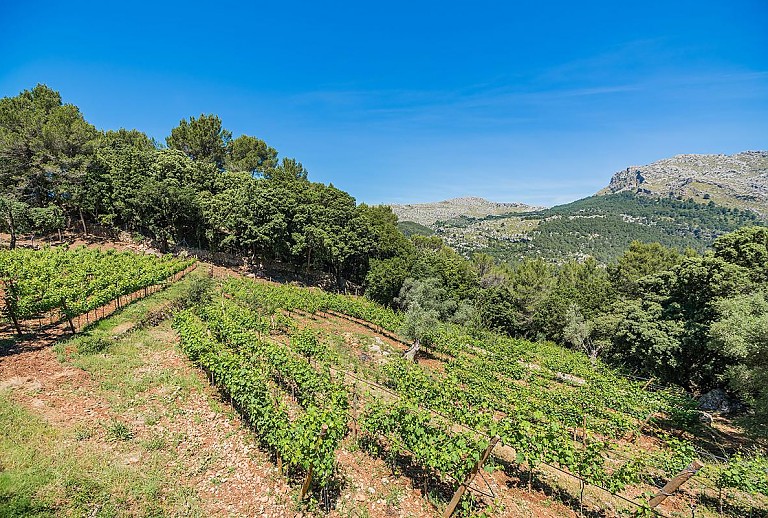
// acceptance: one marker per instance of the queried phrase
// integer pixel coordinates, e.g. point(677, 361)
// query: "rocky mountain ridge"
point(430, 213)
point(738, 181)
point(684, 201)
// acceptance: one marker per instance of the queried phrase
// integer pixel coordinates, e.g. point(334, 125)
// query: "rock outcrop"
point(739, 180)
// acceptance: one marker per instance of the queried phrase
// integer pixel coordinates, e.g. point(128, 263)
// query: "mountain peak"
point(739, 180)
point(472, 206)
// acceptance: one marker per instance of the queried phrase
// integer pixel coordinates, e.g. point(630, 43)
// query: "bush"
point(199, 291)
point(92, 344)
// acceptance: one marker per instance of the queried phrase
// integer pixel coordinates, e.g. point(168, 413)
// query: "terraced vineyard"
point(559, 418)
point(72, 282)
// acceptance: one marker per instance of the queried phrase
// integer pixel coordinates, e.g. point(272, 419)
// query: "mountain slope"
point(684, 201)
point(739, 180)
point(600, 226)
point(429, 213)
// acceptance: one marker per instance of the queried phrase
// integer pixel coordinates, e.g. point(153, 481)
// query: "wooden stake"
point(354, 411)
point(66, 314)
point(308, 480)
point(10, 303)
point(672, 486)
point(468, 480)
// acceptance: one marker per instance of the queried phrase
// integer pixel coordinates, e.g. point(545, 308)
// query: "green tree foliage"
point(517, 302)
point(605, 226)
point(639, 260)
point(123, 159)
point(688, 294)
point(251, 155)
point(741, 336)
point(434, 259)
point(203, 139)
point(249, 215)
point(385, 278)
point(426, 302)
point(46, 151)
point(289, 170)
point(647, 342)
point(747, 247)
point(47, 219)
point(206, 189)
point(15, 216)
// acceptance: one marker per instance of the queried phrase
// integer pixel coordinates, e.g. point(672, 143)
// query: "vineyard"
point(57, 283)
point(557, 416)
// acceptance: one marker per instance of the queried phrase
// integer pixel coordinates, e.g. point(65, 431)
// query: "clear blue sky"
point(397, 101)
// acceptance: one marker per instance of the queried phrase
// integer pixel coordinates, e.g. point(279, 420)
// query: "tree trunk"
point(410, 354)
point(11, 229)
point(15, 322)
point(82, 220)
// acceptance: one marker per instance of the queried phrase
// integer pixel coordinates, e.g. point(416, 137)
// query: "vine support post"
point(354, 411)
point(308, 480)
point(468, 479)
point(66, 314)
point(11, 299)
point(673, 485)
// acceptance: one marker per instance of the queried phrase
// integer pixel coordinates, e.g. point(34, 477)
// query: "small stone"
point(371, 491)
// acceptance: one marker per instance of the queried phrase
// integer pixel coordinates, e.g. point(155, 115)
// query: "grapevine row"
point(76, 280)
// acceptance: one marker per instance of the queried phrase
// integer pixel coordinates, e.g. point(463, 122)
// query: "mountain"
point(683, 202)
point(428, 214)
point(739, 181)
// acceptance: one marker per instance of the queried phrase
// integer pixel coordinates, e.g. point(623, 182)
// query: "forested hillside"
point(604, 226)
point(597, 226)
point(203, 188)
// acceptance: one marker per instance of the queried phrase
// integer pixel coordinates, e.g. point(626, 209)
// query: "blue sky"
point(417, 101)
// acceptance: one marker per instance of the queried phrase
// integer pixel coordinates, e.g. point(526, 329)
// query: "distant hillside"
point(600, 226)
point(684, 201)
point(411, 228)
point(429, 213)
point(739, 180)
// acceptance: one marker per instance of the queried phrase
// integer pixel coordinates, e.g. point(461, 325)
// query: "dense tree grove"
point(205, 189)
point(681, 317)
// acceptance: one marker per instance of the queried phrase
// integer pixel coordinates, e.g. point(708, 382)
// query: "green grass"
point(81, 470)
point(49, 472)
